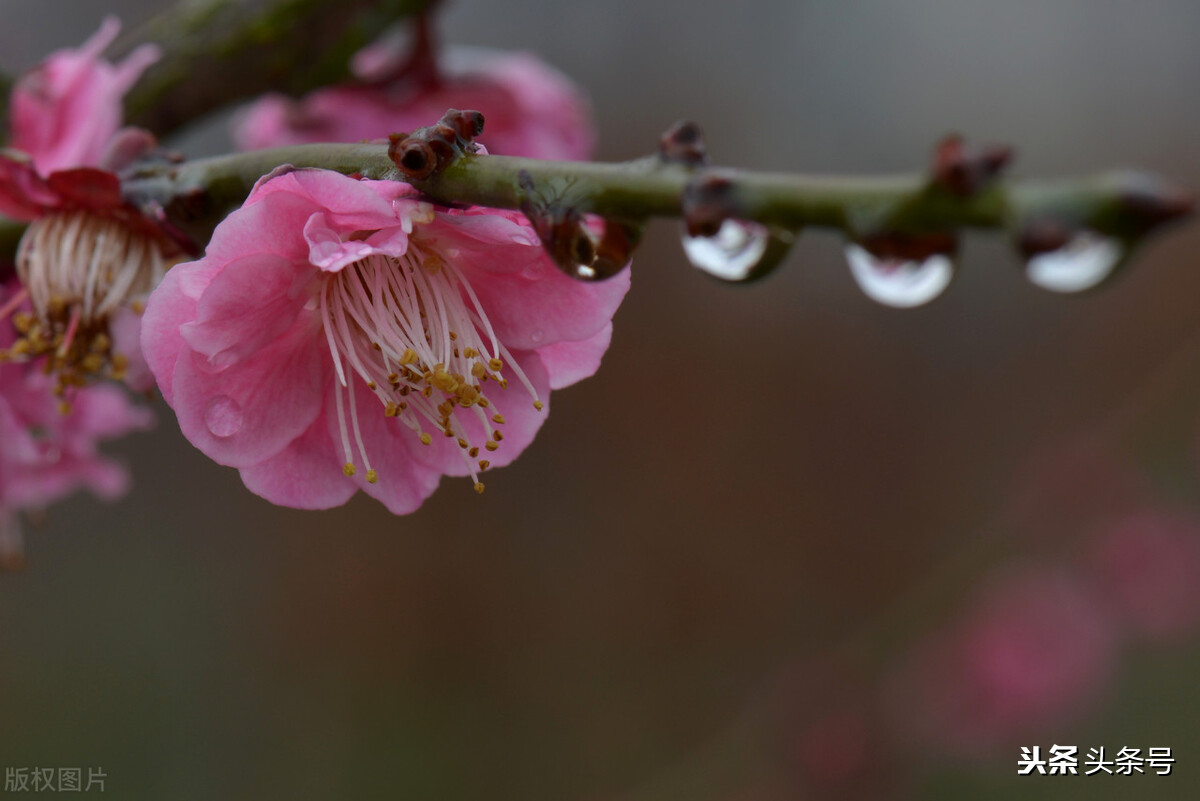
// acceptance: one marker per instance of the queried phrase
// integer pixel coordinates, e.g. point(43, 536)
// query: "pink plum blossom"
point(336, 324)
point(531, 108)
point(1028, 656)
point(88, 258)
point(45, 454)
point(66, 112)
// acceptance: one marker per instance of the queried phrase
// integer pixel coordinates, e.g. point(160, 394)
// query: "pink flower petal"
point(531, 108)
point(125, 326)
point(569, 362)
point(176, 299)
point(251, 410)
point(65, 111)
point(304, 475)
point(566, 309)
point(24, 194)
point(246, 306)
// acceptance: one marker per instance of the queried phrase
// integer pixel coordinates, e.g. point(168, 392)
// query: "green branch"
point(197, 195)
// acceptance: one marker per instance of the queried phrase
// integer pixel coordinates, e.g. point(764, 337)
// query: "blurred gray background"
point(614, 615)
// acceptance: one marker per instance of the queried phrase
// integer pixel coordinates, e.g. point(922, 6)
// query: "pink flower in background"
point(66, 112)
point(88, 258)
point(1149, 568)
point(336, 324)
point(531, 108)
point(1027, 658)
point(46, 455)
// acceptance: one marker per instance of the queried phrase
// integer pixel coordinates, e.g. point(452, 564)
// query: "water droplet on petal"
point(730, 254)
point(1081, 264)
point(537, 336)
point(900, 283)
point(223, 416)
point(535, 269)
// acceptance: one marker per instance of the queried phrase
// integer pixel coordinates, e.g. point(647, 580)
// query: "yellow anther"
point(348, 469)
point(484, 402)
point(372, 477)
point(391, 410)
point(497, 435)
point(484, 464)
point(479, 487)
point(471, 353)
point(478, 370)
point(539, 405)
point(498, 419)
point(426, 439)
point(473, 452)
point(444, 381)
point(491, 446)
point(453, 336)
point(468, 394)
point(409, 356)
point(375, 346)
point(371, 385)
point(496, 365)
point(462, 443)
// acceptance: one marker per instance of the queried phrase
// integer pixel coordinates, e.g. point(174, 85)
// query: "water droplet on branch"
point(583, 246)
point(897, 282)
point(739, 251)
point(1082, 263)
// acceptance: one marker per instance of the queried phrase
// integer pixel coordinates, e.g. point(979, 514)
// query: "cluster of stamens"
point(77, 268)
point(412, 328)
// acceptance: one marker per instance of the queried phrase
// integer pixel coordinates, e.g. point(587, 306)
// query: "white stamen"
point(83, 259)
point(79, 268)
point(422, 318)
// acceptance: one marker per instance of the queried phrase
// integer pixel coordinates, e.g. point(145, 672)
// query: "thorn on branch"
point(683, 143)
point(427, 151)
point(963, 169)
